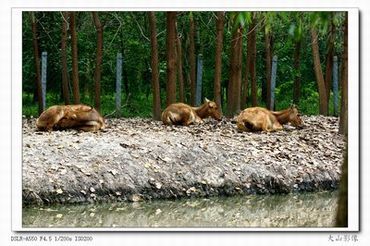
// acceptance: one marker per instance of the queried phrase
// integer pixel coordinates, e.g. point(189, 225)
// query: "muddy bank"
point(139, 159)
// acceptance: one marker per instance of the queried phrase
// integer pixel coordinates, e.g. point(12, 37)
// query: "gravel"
point(138, 159)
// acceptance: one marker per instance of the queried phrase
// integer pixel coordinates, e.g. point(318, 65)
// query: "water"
point(293, 210)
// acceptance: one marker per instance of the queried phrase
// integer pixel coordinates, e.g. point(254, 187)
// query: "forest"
point(130, 66)
point(169, 57)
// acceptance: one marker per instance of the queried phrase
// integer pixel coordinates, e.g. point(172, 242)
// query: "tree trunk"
point(218, 58)
point(180, 74)
point(245, 85)
point(171, 57)
point(268, 62)
point(65, 81)
point(329, 60)
point(252, 65)
point(124, 70)
point(318, 73)
point(297, 73)
point(343, 122)
point(238, 88)
point(342, 209)
point(37, 61)
point(192, 59)
point(154, 66)
point(234, 86)
point(99, 58)
point(75, 79)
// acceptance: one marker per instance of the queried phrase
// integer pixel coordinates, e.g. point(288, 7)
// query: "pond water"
point(293, 210)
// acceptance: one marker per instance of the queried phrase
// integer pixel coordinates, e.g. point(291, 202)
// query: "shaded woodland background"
point(160, 53)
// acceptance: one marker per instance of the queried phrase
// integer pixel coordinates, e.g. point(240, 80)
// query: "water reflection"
point(294, 210)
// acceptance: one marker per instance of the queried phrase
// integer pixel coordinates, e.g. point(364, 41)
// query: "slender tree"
point(125, 76)
point(318, 72)
point(329, 58)
point(99, 58)
point(343, 122)
point(171, 57)
point(180, 74)
point(297, 36)
point(239, 74)
point(253, 54)
point(218, 58)
point(234, 86)
point(297, 75)
point(192, 58)
point(65, 81)
point(245, 84)
point(250, 69)
point(154, 66)
point(37, 60)
point(75, 78)
point(268, 61)
point(341, 219)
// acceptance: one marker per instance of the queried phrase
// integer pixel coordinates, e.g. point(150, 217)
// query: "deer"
point(261, 119)
point(183, 114)
point(80, 117)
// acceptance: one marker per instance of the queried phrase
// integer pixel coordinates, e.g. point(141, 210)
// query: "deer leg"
point(198, 120)
point(272, 124)
point(189, 118)
point(267, 125)
point(90, 126)
point(248, 126)
point(173, 118)
point(277, 126)
point(241, 126)
point(50, 122)
point(190, 121)
point(195, 117)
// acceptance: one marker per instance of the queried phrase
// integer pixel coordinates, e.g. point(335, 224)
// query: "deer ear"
point(206, 100)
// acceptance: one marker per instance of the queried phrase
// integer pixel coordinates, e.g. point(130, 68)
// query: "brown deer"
point(261, 119)
point(79, 117)
point(183, 114)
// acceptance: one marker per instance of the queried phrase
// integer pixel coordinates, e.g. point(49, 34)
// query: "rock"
point(59, 191)
point(158, 185)
point(136, 198)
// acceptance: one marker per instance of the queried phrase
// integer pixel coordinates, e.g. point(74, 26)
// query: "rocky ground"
point(138, 159)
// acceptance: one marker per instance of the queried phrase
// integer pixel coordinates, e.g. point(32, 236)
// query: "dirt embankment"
point(138, 159)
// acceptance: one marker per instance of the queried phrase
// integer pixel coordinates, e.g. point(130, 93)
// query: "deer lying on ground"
point(261, 119)
point(79, 117)
point(183, 114)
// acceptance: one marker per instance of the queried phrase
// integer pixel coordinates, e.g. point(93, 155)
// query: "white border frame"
point(353, 118)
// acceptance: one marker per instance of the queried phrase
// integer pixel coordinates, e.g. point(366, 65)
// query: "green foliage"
point(309, 102)
point(296, 29)
point(244, 18)
point(128, 33)
point(269, 20)
point(320, 20)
